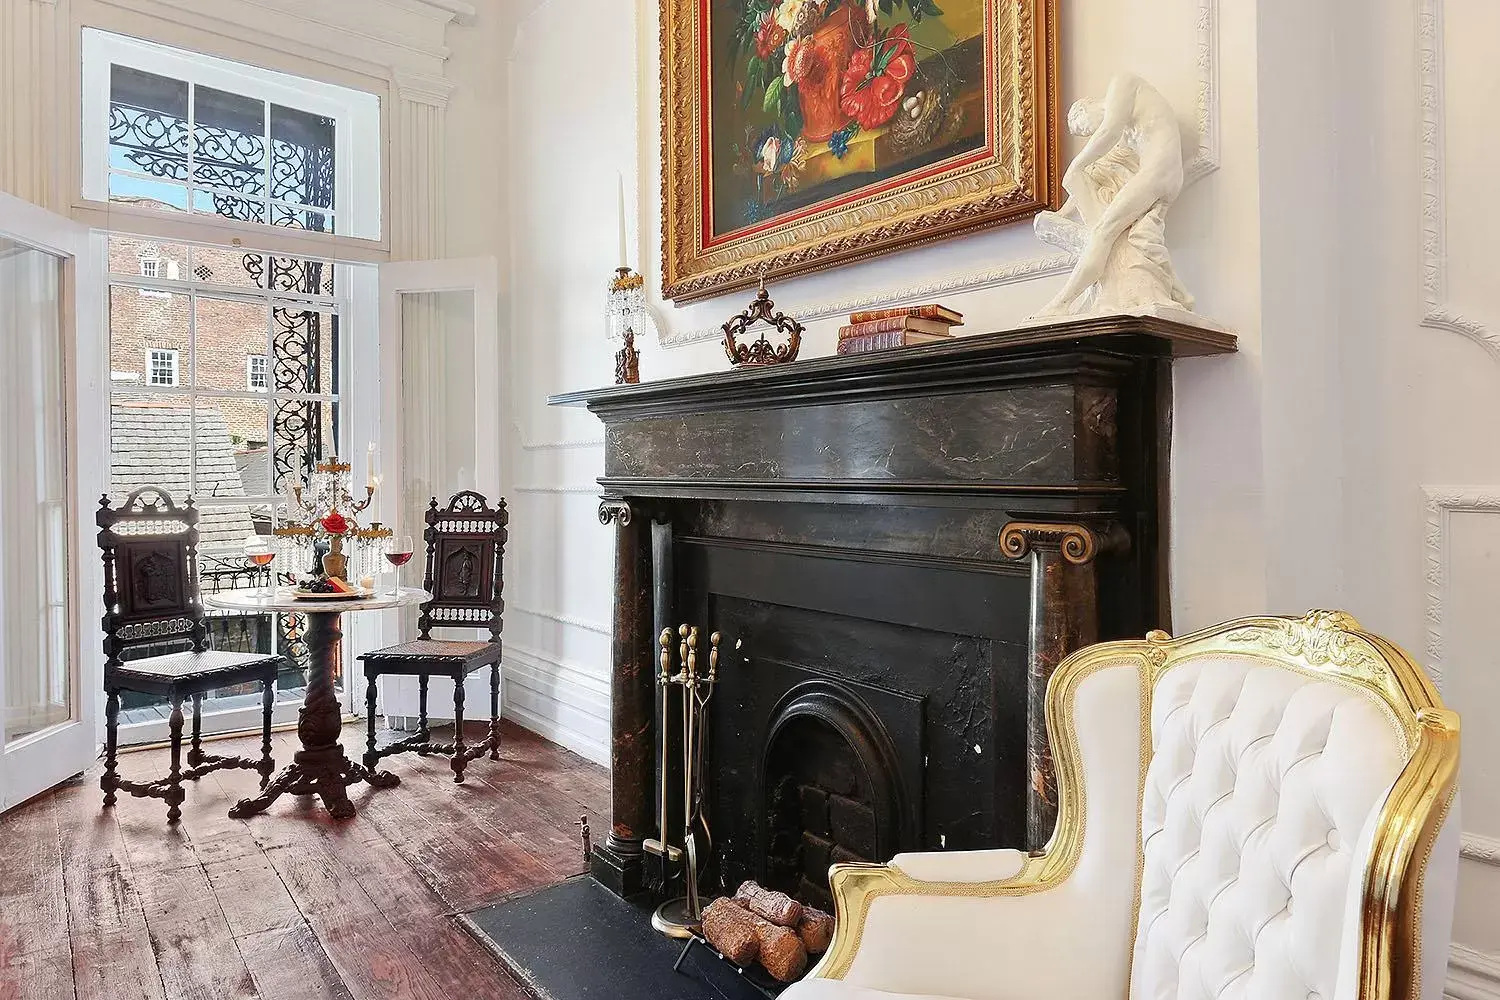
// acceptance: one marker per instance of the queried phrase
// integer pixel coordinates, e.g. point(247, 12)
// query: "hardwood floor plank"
point(279, 947)
point(195, 952)
point(111, 944)
point(36, 960)
point(362, 944)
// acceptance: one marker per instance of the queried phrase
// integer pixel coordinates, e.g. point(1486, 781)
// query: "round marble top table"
point(320, 768)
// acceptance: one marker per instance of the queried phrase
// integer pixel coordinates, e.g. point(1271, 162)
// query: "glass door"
point(440, 415)
point(49, 409)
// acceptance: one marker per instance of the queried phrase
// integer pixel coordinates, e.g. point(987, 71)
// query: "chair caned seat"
point(190, 666)
point(435, 652)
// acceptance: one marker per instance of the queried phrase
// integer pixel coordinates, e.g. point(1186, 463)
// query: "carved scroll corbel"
point(1064, 618)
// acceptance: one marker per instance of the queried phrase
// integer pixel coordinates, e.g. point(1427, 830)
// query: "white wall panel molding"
point(1472, 974)
point(581, 443)
point(1442, 503)
point(1203, 161)
point(1437, 312)
point(563, 702)
point(418, 224)
point(573, 621)
point(1477, 847)
point(423, 88)
point(591, 489)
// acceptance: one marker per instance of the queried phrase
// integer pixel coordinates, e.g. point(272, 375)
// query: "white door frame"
point(481, 276)
point(38, 762)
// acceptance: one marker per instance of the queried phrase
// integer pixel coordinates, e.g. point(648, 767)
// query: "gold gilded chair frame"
point(1327, 644)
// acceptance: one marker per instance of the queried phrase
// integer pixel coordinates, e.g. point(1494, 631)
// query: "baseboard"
point(586, 747)
point(1472, 974)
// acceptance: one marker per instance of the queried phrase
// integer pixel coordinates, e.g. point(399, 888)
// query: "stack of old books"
point(904, 326)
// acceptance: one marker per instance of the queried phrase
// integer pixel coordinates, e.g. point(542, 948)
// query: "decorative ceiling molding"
point(1204, 161)
point(1437, 312)
point(1442, 503)
point(352, 34)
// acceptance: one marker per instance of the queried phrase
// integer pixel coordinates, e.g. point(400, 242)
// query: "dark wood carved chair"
point(151, 598)
point(465, 553)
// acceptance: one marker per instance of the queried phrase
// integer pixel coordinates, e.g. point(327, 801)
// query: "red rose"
point(770, 36)
point(335, 524)
point(869, 97)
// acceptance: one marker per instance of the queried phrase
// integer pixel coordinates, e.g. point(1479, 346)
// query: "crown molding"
point(1437, 312)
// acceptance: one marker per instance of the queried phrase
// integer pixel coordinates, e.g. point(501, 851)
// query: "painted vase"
point(834, 42)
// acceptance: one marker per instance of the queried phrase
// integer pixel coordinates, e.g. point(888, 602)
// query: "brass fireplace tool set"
point(683, 916)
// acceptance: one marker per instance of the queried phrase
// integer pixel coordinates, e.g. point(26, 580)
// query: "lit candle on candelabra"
point(370, 479)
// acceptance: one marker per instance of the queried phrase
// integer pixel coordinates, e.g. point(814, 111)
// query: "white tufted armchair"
point(1264, 810)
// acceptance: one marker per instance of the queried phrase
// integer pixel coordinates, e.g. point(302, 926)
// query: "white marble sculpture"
point(1119, 189)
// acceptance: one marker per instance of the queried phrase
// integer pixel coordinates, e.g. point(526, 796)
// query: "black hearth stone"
point(579, 941)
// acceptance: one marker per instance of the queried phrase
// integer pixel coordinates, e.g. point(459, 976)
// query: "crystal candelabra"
point(325, 509)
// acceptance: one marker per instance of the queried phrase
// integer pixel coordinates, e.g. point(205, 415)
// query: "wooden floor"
point(114, 905)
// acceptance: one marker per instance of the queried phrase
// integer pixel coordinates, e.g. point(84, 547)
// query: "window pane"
point(161, 196)
point(229, 141)
point(293, 274)
point(148, 444)
point(306, 433)
point(216, 471)
point(229, 333)
point(145, 326)
point(148, 123)
point(302, 146)
point(304, 355)
point(292, 218)
point(229, 206)
point(226, 266)
point(127, 252)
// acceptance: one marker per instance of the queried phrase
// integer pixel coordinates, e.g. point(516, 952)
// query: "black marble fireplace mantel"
point(908, 541)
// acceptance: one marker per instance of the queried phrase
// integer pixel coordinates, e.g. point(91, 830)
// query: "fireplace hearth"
point(897, 550)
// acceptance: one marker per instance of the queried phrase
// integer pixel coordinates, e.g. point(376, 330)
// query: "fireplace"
point(831, 787)
point(896, 551)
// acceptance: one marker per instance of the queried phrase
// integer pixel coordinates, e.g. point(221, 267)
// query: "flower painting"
point(803, 132)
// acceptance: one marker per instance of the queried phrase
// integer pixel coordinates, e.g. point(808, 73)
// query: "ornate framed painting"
point(802, 134)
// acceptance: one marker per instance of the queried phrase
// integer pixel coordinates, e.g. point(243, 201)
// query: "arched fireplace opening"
point(831, 789)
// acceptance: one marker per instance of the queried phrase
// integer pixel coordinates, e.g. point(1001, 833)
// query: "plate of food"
point(328, 589)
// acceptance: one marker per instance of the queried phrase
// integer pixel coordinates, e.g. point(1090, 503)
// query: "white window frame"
point(170, 354)
point(151, 267)
point(265, 372)
point(356, 117)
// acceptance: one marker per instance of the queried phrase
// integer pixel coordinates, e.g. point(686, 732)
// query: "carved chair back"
point(465, 552)
point(150, 549)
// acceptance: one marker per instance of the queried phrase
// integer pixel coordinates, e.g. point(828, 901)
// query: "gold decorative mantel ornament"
point(761, 351)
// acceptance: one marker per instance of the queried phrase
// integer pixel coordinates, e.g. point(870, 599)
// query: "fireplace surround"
point(896, 549)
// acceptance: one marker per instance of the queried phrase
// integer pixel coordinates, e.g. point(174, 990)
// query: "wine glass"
point(260, 551)
point(398, 552)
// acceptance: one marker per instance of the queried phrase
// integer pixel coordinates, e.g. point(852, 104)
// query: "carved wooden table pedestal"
point(321, 767)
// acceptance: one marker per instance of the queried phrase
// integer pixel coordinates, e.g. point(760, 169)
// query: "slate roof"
point(149, 446)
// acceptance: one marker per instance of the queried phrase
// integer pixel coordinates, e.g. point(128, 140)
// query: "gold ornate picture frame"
point(799, 135)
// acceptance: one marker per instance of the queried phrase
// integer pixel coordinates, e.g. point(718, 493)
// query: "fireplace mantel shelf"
point(966, 360)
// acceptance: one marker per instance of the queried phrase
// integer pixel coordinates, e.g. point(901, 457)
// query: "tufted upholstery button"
point(1335, 842)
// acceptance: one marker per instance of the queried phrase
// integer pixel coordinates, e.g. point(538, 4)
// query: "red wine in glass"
point(398, 552)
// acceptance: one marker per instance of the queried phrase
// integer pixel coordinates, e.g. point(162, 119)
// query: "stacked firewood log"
point(770, 927)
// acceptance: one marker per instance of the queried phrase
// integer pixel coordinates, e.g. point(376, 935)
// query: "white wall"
point(1342, 458)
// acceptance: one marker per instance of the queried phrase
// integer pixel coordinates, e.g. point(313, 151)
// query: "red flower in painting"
point(877, 77)
point(335, 523)
point(770, 36)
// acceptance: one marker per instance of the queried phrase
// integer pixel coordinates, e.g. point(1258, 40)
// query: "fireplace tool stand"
point(683, 917)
